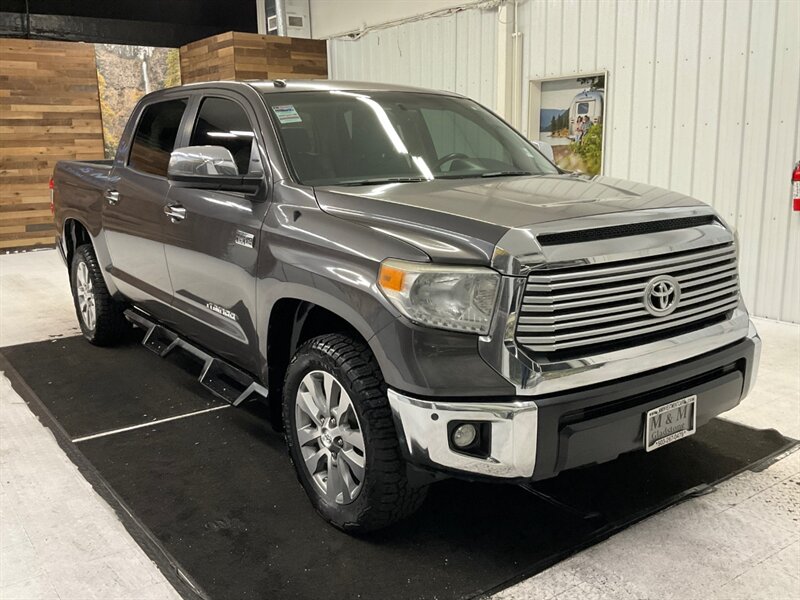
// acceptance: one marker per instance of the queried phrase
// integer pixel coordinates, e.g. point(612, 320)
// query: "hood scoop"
point(618, 231)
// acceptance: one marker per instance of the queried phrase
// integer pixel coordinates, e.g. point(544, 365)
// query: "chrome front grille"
point(577, 308)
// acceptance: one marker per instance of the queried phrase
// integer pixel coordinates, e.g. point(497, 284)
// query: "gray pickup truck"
point(418, 291)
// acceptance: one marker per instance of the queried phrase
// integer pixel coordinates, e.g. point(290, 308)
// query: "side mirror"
point(545, 149)
point(209, 168)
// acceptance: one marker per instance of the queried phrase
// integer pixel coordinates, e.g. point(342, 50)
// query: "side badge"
point(221, 311)
point(244, 239)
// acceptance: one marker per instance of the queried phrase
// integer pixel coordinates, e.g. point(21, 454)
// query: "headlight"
point(458, 298)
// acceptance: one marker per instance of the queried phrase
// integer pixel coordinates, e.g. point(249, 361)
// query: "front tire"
point(341, 436)
point(100, 317)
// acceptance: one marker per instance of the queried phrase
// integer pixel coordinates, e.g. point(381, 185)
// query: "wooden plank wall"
point(235, 55)
point(49, 111)
point(208, 59)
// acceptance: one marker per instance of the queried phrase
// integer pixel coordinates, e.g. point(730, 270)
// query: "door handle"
point(112, 197)
point(175, 212)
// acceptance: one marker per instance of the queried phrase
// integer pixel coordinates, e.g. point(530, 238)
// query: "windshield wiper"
point(379, 180)
point(488, 174)
point(505, 173)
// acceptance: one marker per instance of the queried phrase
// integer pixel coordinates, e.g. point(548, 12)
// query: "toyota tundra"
point(410, 281)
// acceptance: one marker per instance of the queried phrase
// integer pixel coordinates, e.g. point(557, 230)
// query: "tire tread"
point(110, 322)
point(396, 497)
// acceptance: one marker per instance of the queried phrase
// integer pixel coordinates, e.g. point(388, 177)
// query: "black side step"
point(221, 378)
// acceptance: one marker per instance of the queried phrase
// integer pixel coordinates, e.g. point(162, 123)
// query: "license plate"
point(670, 423)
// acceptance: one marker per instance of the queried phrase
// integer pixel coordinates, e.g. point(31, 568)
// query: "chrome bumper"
point(752, 334)
point(422, 426)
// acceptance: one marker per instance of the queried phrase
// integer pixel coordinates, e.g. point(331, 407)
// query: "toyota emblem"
point(661, 295)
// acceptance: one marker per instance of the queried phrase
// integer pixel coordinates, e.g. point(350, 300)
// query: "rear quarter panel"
point(78, 194)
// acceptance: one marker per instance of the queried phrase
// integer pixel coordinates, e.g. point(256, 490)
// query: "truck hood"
point(461, 221)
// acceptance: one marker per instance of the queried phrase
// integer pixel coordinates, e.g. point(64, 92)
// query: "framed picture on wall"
point(569, 114)
point(124, 75)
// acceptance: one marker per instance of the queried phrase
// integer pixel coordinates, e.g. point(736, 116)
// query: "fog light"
point(464, 435)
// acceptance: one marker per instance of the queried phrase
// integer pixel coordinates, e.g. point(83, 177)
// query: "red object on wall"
point(796, 188)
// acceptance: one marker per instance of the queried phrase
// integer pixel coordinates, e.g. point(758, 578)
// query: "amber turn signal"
point(390, 278)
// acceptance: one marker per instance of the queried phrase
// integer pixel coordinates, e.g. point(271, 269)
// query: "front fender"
point(332, 262)
point(307, 254)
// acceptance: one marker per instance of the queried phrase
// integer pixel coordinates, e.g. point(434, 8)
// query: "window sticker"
point(286, 114)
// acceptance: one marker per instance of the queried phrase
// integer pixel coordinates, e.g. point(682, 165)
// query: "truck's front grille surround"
point(578, 310)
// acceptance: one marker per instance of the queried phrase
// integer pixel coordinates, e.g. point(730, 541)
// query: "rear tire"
point(355, 489)
point(100, 317)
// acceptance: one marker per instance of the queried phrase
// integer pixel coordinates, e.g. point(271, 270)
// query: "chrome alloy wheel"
point(330, 437)
point(85, 291)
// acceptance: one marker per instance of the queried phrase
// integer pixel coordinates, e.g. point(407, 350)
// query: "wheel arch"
point(292, 322)
point(76, 233)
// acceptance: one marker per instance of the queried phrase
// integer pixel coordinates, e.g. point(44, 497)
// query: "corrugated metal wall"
point(704, 98)
point(457, 52)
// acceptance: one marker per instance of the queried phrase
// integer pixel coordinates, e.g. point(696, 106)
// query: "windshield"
point(360, 138)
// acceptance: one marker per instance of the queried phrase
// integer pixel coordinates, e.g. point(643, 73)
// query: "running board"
point(219, 377)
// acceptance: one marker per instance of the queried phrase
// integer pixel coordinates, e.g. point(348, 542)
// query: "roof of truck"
point(266, 86)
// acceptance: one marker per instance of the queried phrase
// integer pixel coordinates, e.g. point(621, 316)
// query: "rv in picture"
point(588, 103)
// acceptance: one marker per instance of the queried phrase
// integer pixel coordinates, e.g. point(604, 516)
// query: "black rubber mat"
point(218, 492)
point(95, 389)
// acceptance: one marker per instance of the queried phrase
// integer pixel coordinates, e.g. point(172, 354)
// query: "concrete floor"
point(59, 539)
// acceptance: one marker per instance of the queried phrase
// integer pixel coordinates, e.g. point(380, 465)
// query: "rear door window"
point(154, 139)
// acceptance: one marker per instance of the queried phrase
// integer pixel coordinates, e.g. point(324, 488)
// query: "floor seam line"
point(93, 436)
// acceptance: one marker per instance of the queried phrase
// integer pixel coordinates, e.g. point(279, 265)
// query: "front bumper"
point(537, 439)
